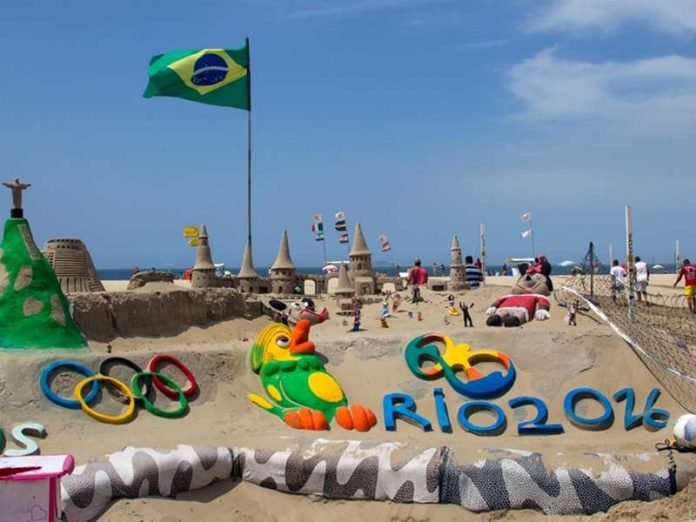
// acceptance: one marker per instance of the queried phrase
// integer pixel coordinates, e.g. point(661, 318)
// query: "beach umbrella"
point(330, 269)
point(567, 262)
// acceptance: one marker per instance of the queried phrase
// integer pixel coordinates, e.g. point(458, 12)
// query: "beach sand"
point(551, 358)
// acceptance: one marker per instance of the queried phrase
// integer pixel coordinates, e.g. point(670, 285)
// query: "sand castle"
point(283, 279)
point(283, 276)
point(361, 264)
point(73, 265)
point(457, 273)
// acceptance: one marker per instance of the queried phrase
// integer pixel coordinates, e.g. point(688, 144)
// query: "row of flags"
point(527, 218)
point(341, 226)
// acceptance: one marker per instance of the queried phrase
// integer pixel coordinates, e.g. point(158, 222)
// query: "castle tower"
point(203, 273)
point(361, 264)
point(345, 288)
point(73, 265)
point(248, 279)
point(283, 277)
point(457, 274)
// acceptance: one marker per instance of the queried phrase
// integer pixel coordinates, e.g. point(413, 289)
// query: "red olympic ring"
point(169, 392)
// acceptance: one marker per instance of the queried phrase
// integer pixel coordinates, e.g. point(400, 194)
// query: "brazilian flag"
point(212, 76)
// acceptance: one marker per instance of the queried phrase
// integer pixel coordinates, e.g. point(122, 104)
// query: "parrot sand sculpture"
point(301, 392)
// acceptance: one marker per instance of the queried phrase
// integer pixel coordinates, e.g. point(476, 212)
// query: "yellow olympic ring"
point(110, 419)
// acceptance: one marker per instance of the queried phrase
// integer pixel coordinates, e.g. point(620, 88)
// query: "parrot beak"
point(299, 339)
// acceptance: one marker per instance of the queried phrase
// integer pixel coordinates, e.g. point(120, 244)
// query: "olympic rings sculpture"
point(137, 392)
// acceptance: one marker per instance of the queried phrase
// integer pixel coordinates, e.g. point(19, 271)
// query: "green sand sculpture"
point(34, 313)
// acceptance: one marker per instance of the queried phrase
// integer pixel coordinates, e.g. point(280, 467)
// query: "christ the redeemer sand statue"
point(16, 187)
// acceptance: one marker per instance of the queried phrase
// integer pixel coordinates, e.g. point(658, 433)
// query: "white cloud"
point(667, 16)
point(659, 90)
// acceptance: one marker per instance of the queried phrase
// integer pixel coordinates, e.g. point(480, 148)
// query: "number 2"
point(536, 426)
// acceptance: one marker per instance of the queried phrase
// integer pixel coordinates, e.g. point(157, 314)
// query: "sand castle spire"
point(283, 276)
point(203, 272)
point(456, 250)
point(359, 246)
point(283, 260)
point(345, 287)
point(457, 272)
point(247, 270)
point(204, 258)
point(361, 264)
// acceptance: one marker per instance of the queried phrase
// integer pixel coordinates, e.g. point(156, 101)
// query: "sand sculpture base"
point(34, 313)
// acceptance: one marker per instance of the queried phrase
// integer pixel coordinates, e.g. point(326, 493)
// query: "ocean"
point(120, 274)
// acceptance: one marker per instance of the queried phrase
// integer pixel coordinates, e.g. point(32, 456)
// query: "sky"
point(417, 118)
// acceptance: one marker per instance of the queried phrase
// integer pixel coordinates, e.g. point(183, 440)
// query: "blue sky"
point(418, 118)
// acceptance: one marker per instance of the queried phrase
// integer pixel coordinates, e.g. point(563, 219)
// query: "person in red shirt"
point(688, 272)
point(417, 276)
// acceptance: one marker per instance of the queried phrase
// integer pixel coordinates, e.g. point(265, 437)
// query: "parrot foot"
point(356, 417)
point(306, 419)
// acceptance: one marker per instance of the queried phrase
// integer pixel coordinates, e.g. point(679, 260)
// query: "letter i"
point(442, 413)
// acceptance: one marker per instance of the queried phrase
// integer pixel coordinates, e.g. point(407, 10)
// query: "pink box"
point(30, 487)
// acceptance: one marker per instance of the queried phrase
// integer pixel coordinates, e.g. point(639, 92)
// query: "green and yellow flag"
point(212, 76)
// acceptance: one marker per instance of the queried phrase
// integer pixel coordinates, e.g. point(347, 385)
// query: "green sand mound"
point(34, 313)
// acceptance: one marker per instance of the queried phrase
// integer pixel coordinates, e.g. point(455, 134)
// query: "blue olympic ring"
point(62, 401)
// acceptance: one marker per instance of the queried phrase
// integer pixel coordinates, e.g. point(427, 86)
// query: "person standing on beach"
point(465, 312)
point(435, 270)
point(417, 276)
point(617, 273)
point(642, 279)
point(688, 272)
point(545, 269)
point(474, 276)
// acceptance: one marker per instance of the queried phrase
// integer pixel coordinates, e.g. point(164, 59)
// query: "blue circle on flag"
point(209, 69)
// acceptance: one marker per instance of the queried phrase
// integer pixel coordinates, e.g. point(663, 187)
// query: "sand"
point(551, 358)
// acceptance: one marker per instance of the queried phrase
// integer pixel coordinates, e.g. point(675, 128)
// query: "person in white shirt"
point(617, 273)
point(642, 279)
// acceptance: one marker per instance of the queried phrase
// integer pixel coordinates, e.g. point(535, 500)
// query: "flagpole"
point(531, 227)
point(249, 148)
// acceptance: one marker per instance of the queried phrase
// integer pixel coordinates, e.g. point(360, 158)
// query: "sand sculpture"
point(248, 280)
point(34, 312)
point(203, 273)
point(283, 277)
point(361, 264)
point(304, 394)
point(457, 273)
point(459, 358)
point(527, 301)
point(72, 265)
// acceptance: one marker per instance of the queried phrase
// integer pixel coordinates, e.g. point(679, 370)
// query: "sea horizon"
point(120, 274)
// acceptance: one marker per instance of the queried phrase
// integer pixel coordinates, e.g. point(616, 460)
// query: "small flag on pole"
point(527, 233)
point(384, 244)
point(343, 238)
point(190, 231)
point(340, 222)
point(526, 217)
point(318, 227)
